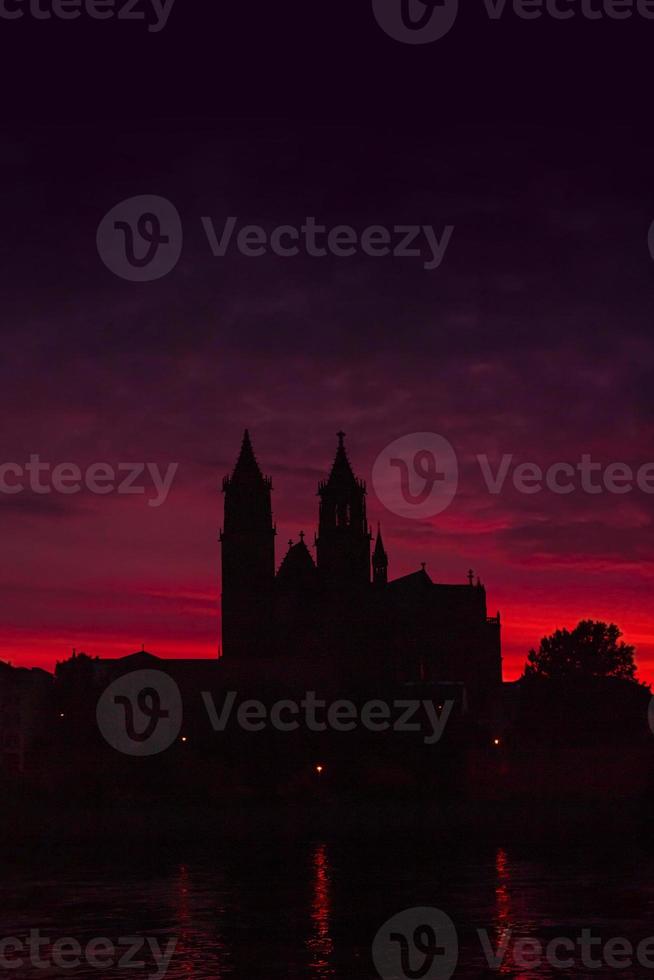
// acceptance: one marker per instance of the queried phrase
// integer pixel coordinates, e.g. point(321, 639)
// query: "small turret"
point(379, 561)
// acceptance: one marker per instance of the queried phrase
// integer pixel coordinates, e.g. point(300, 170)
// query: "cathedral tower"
point(248, 558)
point(343, 541)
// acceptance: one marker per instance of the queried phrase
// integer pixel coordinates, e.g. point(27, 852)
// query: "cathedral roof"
point(297, 564)
point(414, 581)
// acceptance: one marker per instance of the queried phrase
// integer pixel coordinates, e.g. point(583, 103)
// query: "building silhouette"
point(331, 628)
point(25, 716)
point(341, 608)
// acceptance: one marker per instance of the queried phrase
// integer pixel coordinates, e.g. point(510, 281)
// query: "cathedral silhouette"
point(340, 612)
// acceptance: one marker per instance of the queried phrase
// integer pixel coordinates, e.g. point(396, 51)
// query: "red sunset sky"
point(153, 576)
point(533, 338)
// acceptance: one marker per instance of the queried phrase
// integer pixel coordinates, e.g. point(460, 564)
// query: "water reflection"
point(200, 950)
point(320, 943)
point(503, 925)
point(183, 956)
point(308, 911)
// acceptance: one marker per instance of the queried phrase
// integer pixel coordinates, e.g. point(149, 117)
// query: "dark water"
point(311, 908)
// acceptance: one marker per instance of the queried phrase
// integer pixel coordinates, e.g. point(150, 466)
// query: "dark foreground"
point(302, 891)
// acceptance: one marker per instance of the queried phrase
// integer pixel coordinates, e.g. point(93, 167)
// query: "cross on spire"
point(471, 576)
point(341, 437)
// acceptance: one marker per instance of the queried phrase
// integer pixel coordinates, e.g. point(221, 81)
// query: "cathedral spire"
point(379, 560)
point(379, 544)
point(343, 542)
point(248, 557)
point(247, 469)
point(341, 475)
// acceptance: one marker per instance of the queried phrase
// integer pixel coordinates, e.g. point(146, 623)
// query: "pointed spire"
point(380, 551)
point(379, 560)
point(341, 472)
point(247, 469)
point(343, 542)
point(247, 461)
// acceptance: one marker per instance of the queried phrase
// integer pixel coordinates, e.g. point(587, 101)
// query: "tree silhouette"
point(591, 649)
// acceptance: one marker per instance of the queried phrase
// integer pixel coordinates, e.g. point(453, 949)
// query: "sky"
point(532, 338)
